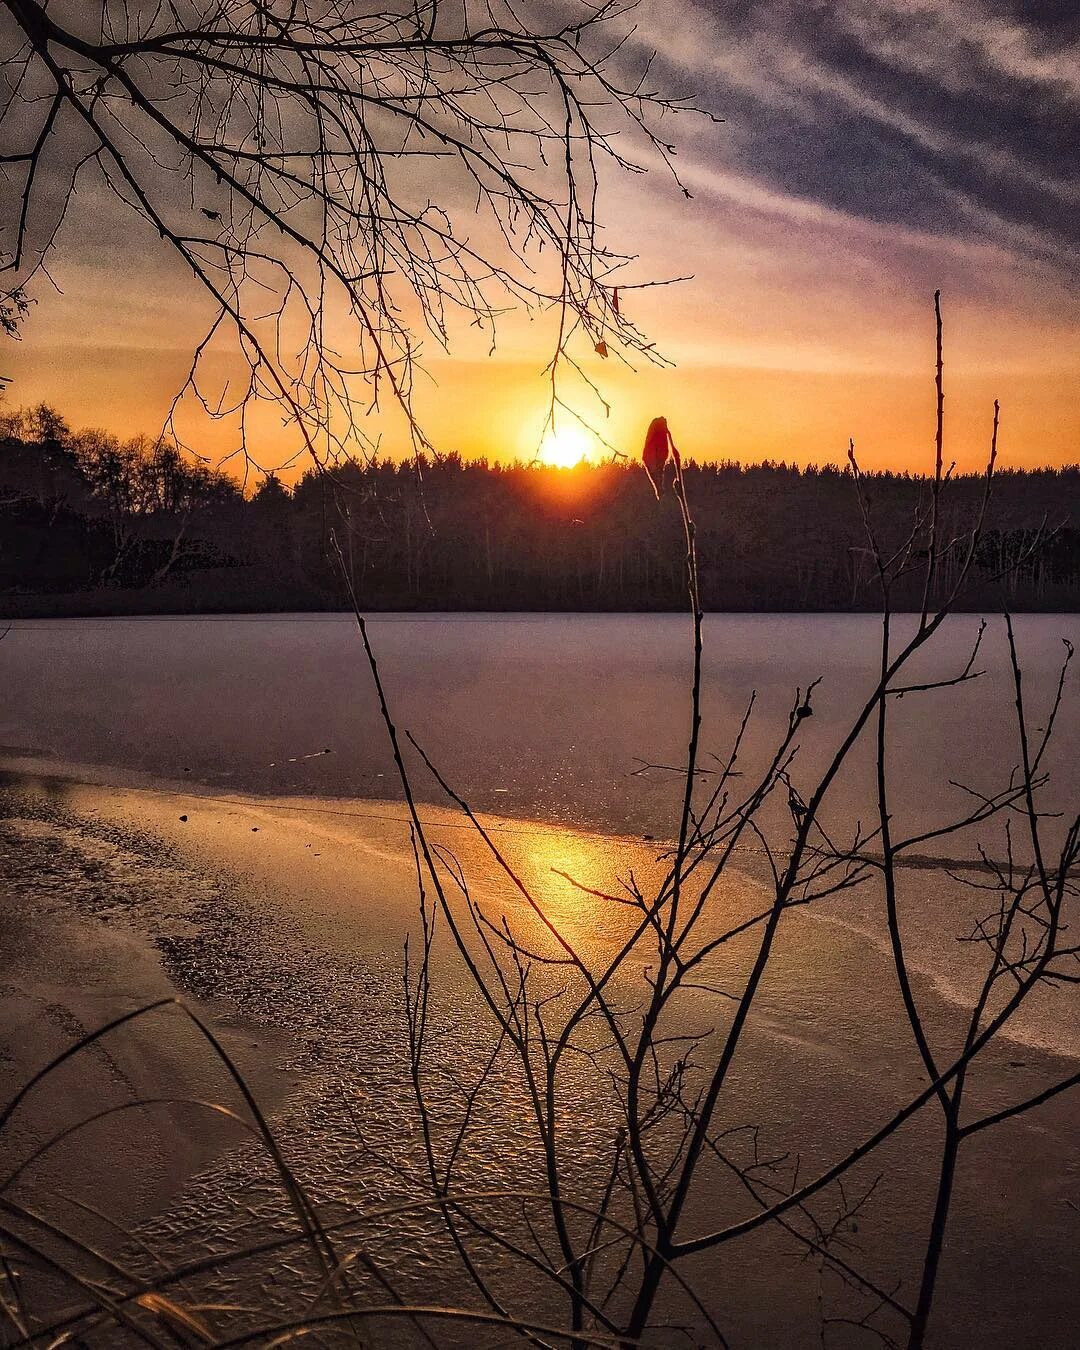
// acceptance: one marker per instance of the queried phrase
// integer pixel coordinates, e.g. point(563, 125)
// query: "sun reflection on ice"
point(569, 876)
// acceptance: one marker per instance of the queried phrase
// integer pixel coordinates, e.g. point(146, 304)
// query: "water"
point(534, 716)
point(544, 719)
point(557, 718)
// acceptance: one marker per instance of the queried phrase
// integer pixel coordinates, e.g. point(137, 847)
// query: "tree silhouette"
point(342, 181)
point(470, 535)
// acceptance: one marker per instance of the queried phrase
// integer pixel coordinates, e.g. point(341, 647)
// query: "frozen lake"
point(534, 716)
point(173, 816)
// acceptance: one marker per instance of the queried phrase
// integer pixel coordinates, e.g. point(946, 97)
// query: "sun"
point(565, 446)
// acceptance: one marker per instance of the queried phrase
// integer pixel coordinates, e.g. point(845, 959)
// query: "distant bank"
point(92, 526)
point(168, 603)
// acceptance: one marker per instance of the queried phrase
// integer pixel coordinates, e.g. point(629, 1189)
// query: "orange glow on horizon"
point(495, 408)
point(565, 446)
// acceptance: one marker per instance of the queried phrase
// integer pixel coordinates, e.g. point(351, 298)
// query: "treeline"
point(92, 524)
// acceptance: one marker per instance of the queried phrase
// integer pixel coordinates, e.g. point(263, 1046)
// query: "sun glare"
point(565, 446)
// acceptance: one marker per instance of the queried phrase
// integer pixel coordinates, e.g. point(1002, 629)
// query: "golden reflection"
point(568, 874)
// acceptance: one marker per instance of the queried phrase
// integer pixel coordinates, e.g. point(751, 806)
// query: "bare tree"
point(628, 1173)
point(13, 309)
point(313, 143)
point(342, 180)
point(607, 1241)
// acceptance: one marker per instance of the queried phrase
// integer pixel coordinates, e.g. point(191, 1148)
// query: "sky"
point(871, 151)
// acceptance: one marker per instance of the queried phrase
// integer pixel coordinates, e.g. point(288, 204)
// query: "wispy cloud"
point(962, 121)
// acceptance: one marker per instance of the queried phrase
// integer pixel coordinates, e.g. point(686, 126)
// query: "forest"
point(92, 524)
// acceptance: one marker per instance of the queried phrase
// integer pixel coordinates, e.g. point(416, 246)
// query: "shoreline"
point(378, 827)
point(16, 614)
point(76, 956)
point(285, 924)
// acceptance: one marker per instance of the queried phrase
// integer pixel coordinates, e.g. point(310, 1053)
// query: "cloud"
point(960, 121)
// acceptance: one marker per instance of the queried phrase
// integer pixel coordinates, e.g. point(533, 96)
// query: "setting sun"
point(565, 446)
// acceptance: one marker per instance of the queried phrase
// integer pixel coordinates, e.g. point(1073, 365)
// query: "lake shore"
point(282, 919)
point(78, 954)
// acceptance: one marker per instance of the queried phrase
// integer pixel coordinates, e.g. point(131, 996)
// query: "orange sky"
point(756, 375)
point(814, 257)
